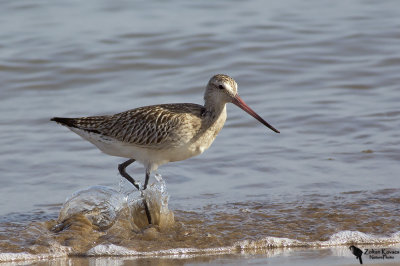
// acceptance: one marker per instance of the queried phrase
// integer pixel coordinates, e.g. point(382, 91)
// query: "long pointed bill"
point(239, 102)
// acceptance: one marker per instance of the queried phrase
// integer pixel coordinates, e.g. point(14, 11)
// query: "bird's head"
point(222, 89)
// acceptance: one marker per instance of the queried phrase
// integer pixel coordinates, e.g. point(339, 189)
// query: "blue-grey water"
point(325, 73)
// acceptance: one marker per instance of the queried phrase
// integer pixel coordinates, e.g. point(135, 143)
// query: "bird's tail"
point(69, 122)
point(88, 124)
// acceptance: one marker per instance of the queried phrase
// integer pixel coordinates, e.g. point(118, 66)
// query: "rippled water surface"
point(326, 74)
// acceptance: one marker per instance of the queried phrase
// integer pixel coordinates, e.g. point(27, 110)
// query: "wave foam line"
point(338, 239)
point(114, 250)
point(25, 256)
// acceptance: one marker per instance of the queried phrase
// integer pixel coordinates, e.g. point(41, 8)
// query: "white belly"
point(146, 156)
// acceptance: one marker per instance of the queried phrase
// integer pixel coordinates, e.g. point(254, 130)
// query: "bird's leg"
point(121, 168)
point(146, 181)
point(146, 208)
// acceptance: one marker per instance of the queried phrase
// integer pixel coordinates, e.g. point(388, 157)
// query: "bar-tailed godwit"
point(158, 134)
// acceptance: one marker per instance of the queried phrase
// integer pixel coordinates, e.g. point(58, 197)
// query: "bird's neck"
point(214, 111)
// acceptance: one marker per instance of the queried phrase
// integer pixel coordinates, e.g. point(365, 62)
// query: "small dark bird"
point(357, 252)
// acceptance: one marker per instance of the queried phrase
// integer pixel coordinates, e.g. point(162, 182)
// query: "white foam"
point(268, 242)
point(25, 256)
point(274, 244)
point(111, 250)
point(114, 250)
point(338, 239)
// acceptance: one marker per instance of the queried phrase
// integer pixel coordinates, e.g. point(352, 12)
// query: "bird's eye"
point(221, 87)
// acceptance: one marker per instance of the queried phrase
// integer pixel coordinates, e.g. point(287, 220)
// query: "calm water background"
point(325, 73)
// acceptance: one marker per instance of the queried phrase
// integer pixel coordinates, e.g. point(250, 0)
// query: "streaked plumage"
point(158, 134)
point(152, 135)
point(157, 127)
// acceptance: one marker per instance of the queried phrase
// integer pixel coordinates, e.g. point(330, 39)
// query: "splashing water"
point(102, 207)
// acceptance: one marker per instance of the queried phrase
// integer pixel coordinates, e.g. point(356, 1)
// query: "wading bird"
point(158, 134)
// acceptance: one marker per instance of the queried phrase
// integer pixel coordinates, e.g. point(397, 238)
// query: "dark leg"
point(146, 208)
point(146, 181)
point(121, 168)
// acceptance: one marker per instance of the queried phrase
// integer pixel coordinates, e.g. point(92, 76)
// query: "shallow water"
point(325, 74)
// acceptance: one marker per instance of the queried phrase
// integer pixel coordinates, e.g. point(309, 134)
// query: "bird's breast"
point(207, 137)
point(200, 141)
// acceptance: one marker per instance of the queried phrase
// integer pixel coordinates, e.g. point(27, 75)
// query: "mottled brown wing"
point(159, 126)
